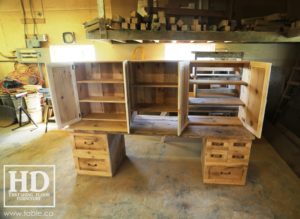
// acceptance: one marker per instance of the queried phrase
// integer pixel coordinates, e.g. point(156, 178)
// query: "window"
point(72, 53)
point(183, 51)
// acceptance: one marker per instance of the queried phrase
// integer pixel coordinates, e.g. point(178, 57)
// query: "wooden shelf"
point(156, 108)
point(154, 125)
point(163, 85)
point(213, 92)
point(102, 126)
point(210, 109)
point(106, 99)
point(214, 120)
point(167, 126)
point(105, 117)
point(221, 82)
point(188, 12)
point(203, 131)
point(101, 81)
point(216, 101)
point(219, 75)
point(187, 36)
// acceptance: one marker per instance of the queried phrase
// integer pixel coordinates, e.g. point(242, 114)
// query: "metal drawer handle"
point(239, 144)
point(225, 173)
point(88, 142)
point(92, 165)
point(238, 156)
point(217, 143)
point(216, 155)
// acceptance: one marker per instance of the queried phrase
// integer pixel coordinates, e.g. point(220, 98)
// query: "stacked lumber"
point(272, 22)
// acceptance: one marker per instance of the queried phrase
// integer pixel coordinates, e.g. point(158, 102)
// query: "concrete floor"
point(157, 180)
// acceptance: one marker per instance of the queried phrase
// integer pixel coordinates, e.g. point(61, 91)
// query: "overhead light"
point(174, 41)
point(227, 41)
point(209, 41)
point(156, 41)
point(192, 41)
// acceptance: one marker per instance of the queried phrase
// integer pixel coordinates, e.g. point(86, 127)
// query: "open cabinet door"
point(64, 95)
point(183, 96)
point(126, 92)
point(254, 96)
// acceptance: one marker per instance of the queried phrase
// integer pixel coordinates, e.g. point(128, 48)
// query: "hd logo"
point(29, 186)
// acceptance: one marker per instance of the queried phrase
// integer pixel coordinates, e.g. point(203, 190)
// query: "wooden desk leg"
point(225, 161)
point(98, 154)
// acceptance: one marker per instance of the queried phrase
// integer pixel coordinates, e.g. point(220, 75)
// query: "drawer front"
point(226, 173)
point(212, 155)
point(94, 154)
point(93, 164)
point(238, 156)
point(222, 144)
point(91, 142)
point(240, 145)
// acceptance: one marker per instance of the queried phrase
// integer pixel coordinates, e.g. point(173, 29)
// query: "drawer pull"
point(225, 173)
point(238, 156)
point(92, 165)
point(216, 155)
point(217, 143)
point(89, 142)
point(239, 144)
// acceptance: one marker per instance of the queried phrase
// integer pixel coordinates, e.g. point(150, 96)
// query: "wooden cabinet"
point(159, 91)
point(152, 98)
point(241, 86)
point(225, 160)
point(90, 96)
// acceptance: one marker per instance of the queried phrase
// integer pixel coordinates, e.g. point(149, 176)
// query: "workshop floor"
point(157, 180)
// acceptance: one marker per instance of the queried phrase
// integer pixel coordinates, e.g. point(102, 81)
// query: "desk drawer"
point(234, 175)
point(91, 142)
point(94, 154)
point(93, 164)
point(217, 143)
point(238, 156)
point(212, 155)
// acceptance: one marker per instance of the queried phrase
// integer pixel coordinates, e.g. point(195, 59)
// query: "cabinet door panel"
point(126, 92)
point(254, 96)
point(64, 95)
point(183, 96)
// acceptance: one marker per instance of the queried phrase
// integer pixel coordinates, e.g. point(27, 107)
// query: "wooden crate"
point(159, 87)
point(98, 154)
point(225, 161)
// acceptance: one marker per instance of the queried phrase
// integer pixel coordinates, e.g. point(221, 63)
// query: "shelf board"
point(187, 12)
point(219, 75)
point(164, 85)
point(167, 126)
point(106, 99)
point(213, 92)
point(216, 101)
point(101, 81)
point(206, 131)
point(221, 82)
point(102, 126)
point(214, 120)
point(154, 125)
point(105, 117)
point(186, 36)
point(156, 108)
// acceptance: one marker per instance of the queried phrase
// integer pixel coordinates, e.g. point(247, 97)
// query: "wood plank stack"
point(273, 22)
